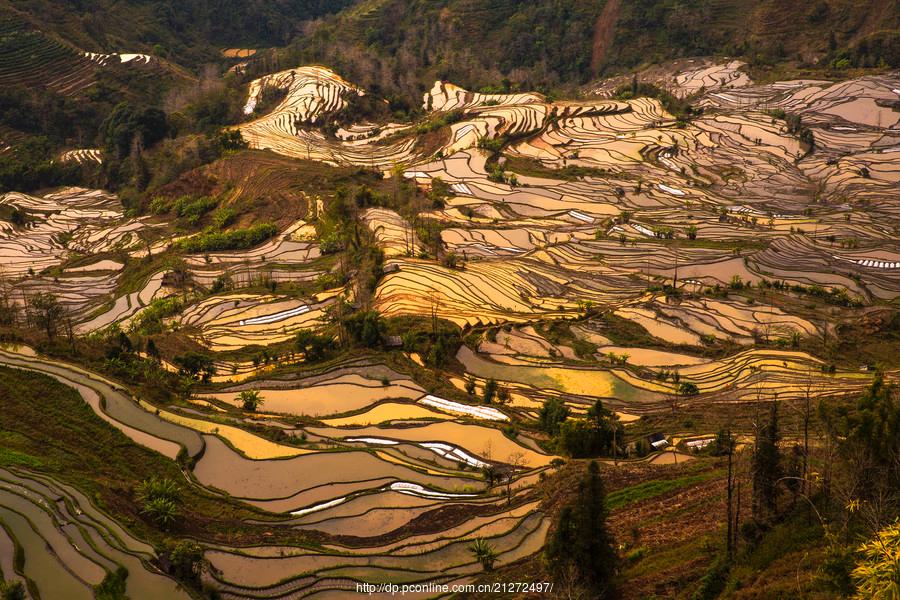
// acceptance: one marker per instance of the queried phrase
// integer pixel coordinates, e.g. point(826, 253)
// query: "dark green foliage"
point(365, 328)
point(713, 581)
point(231, 140)
point(188, 210)
point(127, 125)
point(868, 439)
point(724, 443)
point(12, 591)
point(582, 541)
point(198, 367)
point(483, 553)
point(490, 391)
point(185, 558)
point(439, 192)
point(46, 313)
point(584, 348)
point(113, 585)
point(679, 107)
point(30, 165)
point(553, 413)
point(314, 346)
point(150, 320)
point(599, 434)
point(686, 388)
point(188, 32)
point(578, 439)
point(837, 568)
point(238, 239)
point(796, 126)
point(440, 350)
point(766, 469)
point(215, 108)
point(879, 49)
point(35, 111)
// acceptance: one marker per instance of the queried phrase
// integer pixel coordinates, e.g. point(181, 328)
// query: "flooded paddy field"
point(369, 382)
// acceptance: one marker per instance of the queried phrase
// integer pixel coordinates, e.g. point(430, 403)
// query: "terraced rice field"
point(312, 92)
point(82, 156)
point(606, 248)
point(352, 484)
point(66, 211)
point(68, 544)
point(341, 394)
point(282, 259)
point(239, 320)
point(29, 57)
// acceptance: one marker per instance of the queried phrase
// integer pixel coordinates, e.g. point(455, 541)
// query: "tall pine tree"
point(582, 543)
point(766, 469)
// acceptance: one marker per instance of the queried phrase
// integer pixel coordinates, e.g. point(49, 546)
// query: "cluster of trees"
point(42, 311)
point(403, 46)
point(188, 210)
point(880, 49)
point(38, 112)
point(127, 126)
point(679, 107)
point(183, 560)
point(490, 393)
point(853, 488)
point(30, 165)
point(599, 434)
point(195, 366)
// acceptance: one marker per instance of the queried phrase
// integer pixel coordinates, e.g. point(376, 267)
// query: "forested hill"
point(188, 32)
point(404, 43)
point(401, 43)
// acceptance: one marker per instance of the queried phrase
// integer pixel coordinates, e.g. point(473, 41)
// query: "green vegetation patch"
point(237, 239)
point(653, 489)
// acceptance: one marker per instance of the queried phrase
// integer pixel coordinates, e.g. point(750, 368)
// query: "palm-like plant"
point(159, 499)
point(483, 553)
point(250, 400)
point(162, 510)
point(157, 487)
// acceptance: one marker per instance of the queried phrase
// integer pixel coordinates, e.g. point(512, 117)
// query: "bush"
point(149, 321)
point(688, 389)
point(584, 348)
point(238, 239)
point(365, 328)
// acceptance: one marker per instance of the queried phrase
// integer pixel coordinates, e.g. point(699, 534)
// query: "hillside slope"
point(402, 44)
point(188, 33)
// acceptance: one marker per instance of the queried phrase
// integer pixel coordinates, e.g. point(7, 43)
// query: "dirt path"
point(604, 34)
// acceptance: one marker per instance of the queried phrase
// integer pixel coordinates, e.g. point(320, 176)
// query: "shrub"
point(490, 390)
point(239, 239)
